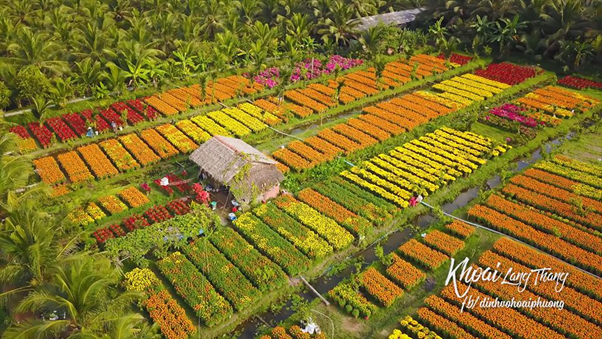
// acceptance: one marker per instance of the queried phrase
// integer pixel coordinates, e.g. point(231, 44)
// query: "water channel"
point(326, 282)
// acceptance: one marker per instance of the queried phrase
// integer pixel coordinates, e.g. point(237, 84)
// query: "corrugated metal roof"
point(393, 18)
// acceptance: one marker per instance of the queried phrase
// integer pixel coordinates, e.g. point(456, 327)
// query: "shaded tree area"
point(566, 31)
point(84, 47)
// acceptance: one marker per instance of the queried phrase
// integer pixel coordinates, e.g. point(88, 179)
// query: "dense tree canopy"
point(86, 46)
point(568, 31)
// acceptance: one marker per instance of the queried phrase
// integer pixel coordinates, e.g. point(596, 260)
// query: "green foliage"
point(160, 237)
point(563, 30)
point(5, 95)
point(32, 83)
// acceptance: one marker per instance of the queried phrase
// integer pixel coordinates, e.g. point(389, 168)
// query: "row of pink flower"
point(579, 83)
point(512, 112)
point(306, 70)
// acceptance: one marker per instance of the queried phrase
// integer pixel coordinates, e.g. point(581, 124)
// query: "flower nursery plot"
point(370, 162)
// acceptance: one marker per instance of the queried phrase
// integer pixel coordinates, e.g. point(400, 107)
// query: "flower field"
point(195, 289)
point(205, 264)
point(383, 286)
point(537, 213)
point(224, 275)
point(336, 235)
point(423, 165)
point(305, 239)
point(161, 306)
point(579, 83)
point(261, 271)
point(383, 120)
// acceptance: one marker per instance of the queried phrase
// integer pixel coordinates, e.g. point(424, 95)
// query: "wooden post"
point(314, 290)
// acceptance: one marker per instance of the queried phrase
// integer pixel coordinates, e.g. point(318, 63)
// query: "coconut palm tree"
point(35, 48)
point(14, 169)
point(338, 25)
point(371, 40)
point(83, 295)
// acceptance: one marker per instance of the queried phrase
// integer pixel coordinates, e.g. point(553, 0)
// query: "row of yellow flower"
point(423, 165)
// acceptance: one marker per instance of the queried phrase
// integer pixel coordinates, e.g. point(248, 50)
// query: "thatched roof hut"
point(232, 162)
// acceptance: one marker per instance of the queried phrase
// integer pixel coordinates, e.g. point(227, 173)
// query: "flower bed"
point(157, 213)
point(456, 58)
point(336, 235)
point(562, 182)
point(567, 172)
point(209, 126)
point(579, 83)
point(103, 234)
point(48, 170)
point(563, 209)
point(248, 120)
point(556, 193)
point(177, 138)
point(465, 319)
point(61, 129)
point(577, 279)
point(96, 120)
point(404, 273)
point(178, 207)
point(272, 244)
point(165, 311)
point(100, 165)
point(574, 301)
point(120, 157)
point(194, 288)
point(41, 133)
point(132, 116)
point(262, 272)
point(161, 146)
point(95, 212)
point(111, 116)
point(415, 328)
point(226, 277)
point(351, 221)
point(76, 122)
point(306, 240)
point(423, 254)
point(508, 73)
point(357, 200)
point(139, 149)
point(230, 124)
point(26, 142)
point(509, 320)
point(161, 106)
point(379, 287)
point(460, 229)
point(442, 325)
point(135, 222)
point(547, 242)
point(133, 197)
point(443, 242)
point(352, 301)
point(148, 111)
point(74, 167)
point(193, 131)
point(112, 204)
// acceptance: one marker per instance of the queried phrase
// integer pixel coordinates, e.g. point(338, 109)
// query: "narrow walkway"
point(513, 238)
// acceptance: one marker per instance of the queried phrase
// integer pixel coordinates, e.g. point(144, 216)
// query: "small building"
point(399, 19)
point(249, 174)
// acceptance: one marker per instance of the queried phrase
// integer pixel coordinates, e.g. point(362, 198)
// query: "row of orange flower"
point(575, 301)
point(545, 223)
point(545, 241)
